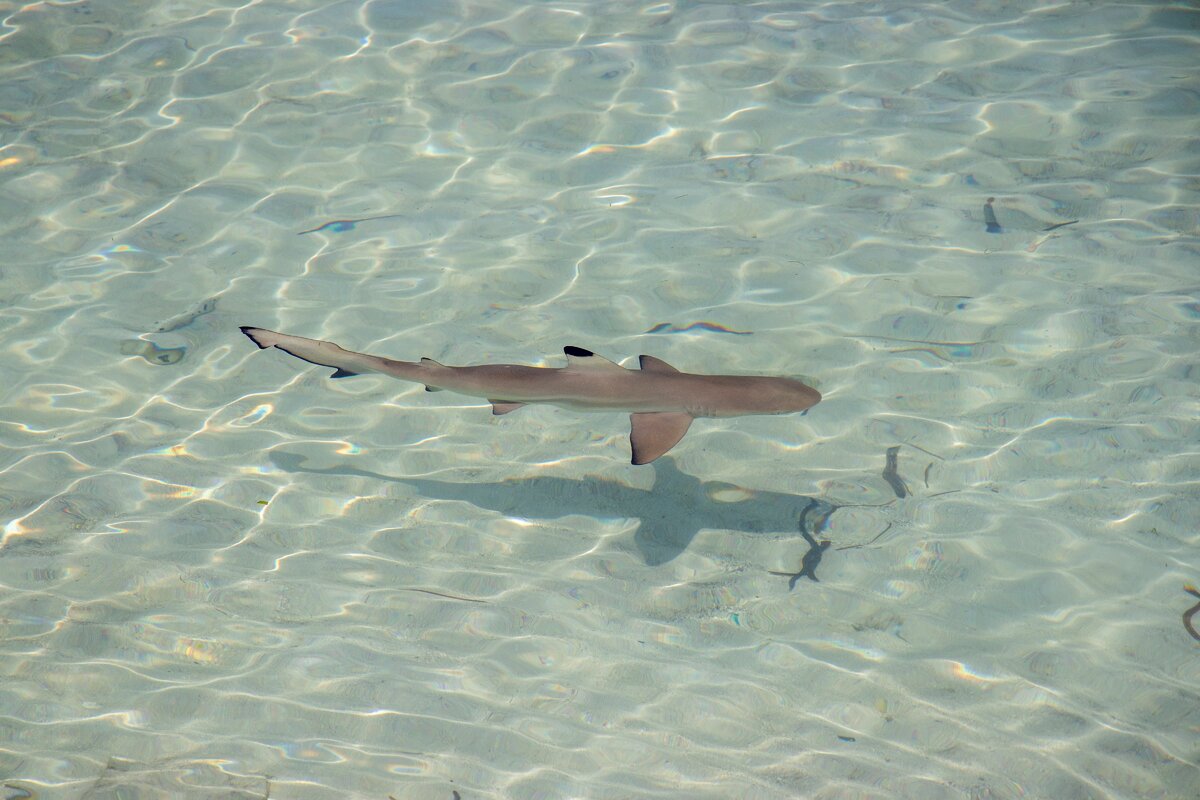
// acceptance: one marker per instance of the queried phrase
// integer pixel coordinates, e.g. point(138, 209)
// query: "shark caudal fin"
point(323, 354)
point(261, 336)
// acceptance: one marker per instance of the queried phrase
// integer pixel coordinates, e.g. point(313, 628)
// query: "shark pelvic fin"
point(653, 433)
point(578, 358)
point(652, 364)
point(503, 406)
point(429, 362)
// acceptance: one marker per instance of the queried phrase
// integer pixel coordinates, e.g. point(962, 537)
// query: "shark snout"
point(787, 396)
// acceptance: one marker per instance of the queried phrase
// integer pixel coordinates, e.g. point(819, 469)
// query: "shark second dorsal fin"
point(652, 364)
point(653, 433)
point(578, 358)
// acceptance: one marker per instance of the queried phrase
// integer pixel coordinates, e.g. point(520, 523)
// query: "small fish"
point(663, 400)
point(343, 225)
point(989, 217)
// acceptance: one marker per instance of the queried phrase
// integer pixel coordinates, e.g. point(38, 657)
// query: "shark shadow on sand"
point(671, 514)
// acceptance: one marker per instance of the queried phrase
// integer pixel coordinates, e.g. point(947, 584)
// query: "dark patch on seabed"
point(892, 476)
point(812, 559)
point(188, 317)
point(819, 511)
point(167, 356)
point(152, 353)
point(989, 217)
point(1191, 612)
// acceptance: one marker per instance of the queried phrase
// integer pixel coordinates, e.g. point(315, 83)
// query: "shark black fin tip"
point(247, 330)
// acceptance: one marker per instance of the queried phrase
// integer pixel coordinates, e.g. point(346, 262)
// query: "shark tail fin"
point(314, 351)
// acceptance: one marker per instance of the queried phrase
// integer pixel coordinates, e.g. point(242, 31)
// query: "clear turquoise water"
point(224, 575)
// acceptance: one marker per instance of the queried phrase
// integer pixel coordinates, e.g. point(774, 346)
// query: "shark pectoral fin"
point(342, 372)
point(503, 406)
point(653, 433)
point(580, 359)
point(652, 364)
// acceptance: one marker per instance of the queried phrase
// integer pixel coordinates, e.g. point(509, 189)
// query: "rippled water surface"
point(224, 575)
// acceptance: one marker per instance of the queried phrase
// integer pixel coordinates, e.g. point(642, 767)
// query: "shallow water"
point(224, 575)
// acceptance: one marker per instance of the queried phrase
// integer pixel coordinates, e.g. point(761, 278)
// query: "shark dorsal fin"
point(429, 362)
point(653, 433)
point(578, 358)
point(652, 364)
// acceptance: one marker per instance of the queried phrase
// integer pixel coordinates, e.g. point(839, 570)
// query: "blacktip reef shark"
point(662, 400)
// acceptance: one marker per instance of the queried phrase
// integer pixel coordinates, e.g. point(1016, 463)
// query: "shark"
point(661, 400)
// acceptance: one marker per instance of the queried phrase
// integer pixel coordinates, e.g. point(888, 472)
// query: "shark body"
point(662, 401)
